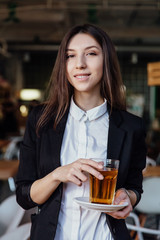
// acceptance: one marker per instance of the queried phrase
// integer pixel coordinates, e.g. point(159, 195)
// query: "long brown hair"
point(60, 90)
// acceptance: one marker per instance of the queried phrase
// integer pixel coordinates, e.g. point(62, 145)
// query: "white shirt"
point(85, 136)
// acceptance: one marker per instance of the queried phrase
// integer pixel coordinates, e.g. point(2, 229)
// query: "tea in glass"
point(102, 191)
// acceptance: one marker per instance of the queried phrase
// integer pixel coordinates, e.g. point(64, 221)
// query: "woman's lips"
point(82, 76)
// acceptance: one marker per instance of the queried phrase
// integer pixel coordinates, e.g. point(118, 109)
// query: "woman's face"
point(84, 65)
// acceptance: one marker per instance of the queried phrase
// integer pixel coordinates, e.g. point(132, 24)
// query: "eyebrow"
point(69, 49)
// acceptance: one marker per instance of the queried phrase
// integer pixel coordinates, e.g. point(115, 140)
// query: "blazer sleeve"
point(27, 172)
point(138, 161)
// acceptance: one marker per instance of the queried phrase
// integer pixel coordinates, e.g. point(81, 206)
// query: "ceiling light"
point(30, 94)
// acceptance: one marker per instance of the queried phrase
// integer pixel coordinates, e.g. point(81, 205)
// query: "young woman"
point(84, 118)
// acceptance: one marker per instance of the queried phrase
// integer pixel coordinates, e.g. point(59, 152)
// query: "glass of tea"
point(102, 191)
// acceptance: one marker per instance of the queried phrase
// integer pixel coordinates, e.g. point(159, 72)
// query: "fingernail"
point(100, 177)
point(116, 202)
point(100, 166)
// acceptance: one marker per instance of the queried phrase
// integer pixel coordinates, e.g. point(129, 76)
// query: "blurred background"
point(30, 34)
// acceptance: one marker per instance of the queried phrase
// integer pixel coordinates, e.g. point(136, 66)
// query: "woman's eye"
point(92, 54)
point(69, 56)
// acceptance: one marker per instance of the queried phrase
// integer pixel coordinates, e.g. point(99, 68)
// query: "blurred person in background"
point(8, 120)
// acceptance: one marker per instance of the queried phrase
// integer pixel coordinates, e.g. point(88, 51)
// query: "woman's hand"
point(120, 197)
point(42, 188)
point(74, 172)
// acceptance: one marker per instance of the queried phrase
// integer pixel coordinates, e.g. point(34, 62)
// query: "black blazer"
point(40, 155)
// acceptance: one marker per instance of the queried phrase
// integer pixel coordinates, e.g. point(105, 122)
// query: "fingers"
point(74, 172)
point(75, 180)
point(76, 176)
point(120, 197)
point(91, 167)
point(121, 214)
point(92, 171)
point(94, 164)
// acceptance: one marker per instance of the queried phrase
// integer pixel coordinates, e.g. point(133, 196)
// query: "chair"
point(11, 215)
point(8, 170)
point(12, 151)
point(150, 201)
point(149, 204)
point(20, 233)
point(136, 227)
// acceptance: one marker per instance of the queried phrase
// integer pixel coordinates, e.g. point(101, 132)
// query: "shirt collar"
point(91, 114)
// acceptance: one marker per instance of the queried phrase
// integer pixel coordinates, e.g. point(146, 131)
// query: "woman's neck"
point(87, 102)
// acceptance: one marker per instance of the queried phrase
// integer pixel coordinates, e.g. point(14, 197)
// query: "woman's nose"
point(80, 63)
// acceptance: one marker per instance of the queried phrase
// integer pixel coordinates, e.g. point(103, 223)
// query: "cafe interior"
point(30, 34)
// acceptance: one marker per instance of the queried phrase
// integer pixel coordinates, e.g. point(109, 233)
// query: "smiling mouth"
point(82, 76)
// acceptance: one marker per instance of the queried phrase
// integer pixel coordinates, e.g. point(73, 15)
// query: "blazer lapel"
point(115, 135)
point(52, 142)
point(59, 137)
